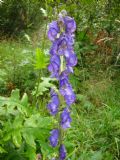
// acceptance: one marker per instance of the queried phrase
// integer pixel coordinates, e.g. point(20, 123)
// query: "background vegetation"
point(24, 121)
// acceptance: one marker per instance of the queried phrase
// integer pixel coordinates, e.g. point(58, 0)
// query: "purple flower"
point(68, 94)
point(63, 79)
point(62, 152)
point(64, 44)
point(53, 93)
point(53, 106)
point(53, 50)
point(65, 119)
point(66, 88)
point(53, 30)
point(70, 24)
point(69, 69)
point(54, 137)
point(71, 60)
point(70, 38)
point(54, 65)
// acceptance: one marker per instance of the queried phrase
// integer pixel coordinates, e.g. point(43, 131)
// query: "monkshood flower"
point(62, 152)
point(65, 119)
point(54, 66)
point(70, 24)
point(68, 94)
point(62, 61)
point(66, 89)
point(63, 78)
point(71, 59)
point(54, 137)
point(54, 104)
point(53, 30)
point(62, 45)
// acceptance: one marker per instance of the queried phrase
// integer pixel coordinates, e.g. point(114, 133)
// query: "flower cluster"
point(62, 61)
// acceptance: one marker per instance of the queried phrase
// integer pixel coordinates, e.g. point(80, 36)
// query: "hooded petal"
point(70, 24)
point(65, 119)
point(62, 152)
point(53, 30)
point(54, 137)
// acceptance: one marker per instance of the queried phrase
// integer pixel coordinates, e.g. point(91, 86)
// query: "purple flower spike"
point(62, 152)
point(65, 119)
point(54, 137)
point(62, 61)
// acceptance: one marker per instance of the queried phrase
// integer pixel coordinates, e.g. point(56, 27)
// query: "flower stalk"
point(62, 61)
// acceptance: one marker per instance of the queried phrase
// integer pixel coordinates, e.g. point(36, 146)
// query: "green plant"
point(23, 129)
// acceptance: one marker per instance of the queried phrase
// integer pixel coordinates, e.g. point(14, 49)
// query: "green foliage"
point(20, 15)
point(43, 86)
point(23, 126)
point(41, 60)
point(16, 69)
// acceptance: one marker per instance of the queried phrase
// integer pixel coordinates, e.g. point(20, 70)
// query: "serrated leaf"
point(7, 131)
point(38, 121)
point(41, 59)
point(16, 132)
point(44, 86)
point(17, 123)
point(14, 101)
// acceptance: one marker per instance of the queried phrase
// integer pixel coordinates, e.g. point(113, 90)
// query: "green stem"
point(61, 133)
point(62, 64)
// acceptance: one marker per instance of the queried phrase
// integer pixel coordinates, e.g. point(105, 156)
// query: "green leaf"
point(30, 152)
point(17, 139)
point(29, 138)
point(46, 148)
point(43, 86)
point(41, 59)
point(15, 95)
point(38, 121)
point(14, 101)
point(2, 150)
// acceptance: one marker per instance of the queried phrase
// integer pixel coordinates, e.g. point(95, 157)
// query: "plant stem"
point(60, 129)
